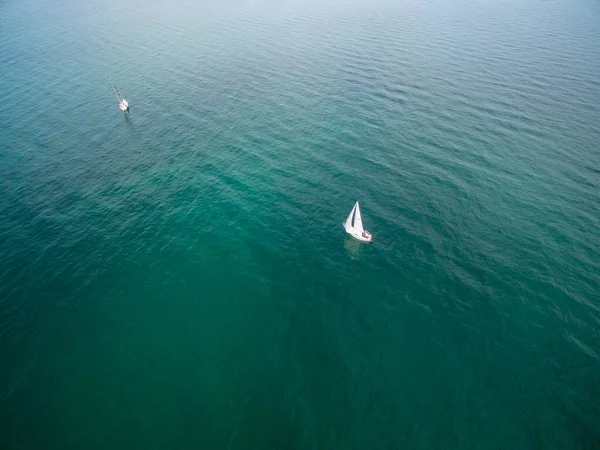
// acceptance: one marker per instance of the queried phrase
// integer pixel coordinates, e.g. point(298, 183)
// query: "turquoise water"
point(178, 277)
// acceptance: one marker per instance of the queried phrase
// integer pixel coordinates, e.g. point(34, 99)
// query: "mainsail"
point(357, 223)
point(354, 219)
point(349, 221)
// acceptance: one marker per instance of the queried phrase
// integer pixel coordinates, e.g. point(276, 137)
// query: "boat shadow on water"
point(353, 247)
point(129, 121)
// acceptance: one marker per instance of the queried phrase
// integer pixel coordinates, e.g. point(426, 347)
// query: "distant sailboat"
point(354, 226)
point(123, 105)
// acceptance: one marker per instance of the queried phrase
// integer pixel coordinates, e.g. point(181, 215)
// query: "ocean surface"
point(178, 277)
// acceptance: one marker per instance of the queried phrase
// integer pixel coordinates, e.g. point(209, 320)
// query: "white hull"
point(356, 234)
point(124, 106)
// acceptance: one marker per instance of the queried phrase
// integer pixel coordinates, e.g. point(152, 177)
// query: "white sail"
point(348, 222)
point(354, 225)
point(358, 225)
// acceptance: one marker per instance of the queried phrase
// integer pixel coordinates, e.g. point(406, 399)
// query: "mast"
point(117, 93)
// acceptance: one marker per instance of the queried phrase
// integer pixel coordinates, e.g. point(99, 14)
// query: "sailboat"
point(354, 226)
point(123, 105)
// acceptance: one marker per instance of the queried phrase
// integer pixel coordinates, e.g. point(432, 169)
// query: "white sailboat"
point(123, 105)
point(354, 226)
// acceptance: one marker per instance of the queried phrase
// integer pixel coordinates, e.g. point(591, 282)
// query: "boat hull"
point(358, 235)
